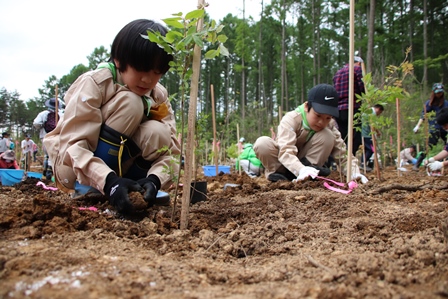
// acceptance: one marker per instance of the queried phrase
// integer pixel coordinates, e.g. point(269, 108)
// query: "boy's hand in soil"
point(436, 165)
point(151, 186)
point(360, 176)
point(116, 190)
point(305, 172)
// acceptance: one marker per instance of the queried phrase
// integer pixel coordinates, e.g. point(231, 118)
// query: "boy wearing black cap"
point(306, 137)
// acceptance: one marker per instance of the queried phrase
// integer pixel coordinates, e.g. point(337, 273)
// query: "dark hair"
point(442, 116)
point(436, 101)
point(130, 48)
point(414, 147)
point(379, 106)
point(309, 106)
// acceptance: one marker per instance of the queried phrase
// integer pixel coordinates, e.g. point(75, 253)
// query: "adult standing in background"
point(45, 122)
point(341, 84)
point(4, 142)
point(435, 103)
point(27, 150)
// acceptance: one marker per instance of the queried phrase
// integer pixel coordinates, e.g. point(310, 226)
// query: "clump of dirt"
point(250, 238)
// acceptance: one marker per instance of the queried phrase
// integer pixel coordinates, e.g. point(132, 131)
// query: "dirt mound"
point(249, 239)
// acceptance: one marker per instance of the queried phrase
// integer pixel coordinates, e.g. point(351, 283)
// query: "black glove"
point(116, 189)
point(151, 184)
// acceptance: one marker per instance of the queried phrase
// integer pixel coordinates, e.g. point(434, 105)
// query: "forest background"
point(273, 63)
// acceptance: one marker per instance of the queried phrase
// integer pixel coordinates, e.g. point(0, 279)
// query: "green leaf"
point(223, 50)
point(198, 13)
point(174, 22)
point(222, 38)
point(198, 41)
point(152, 37)
point(211, 54)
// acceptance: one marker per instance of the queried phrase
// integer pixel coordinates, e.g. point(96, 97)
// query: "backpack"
point(50, 124)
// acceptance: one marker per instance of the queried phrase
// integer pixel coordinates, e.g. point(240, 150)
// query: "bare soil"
point(386, 239)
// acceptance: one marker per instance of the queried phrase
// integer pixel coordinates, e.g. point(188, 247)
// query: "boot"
point(419, 161)
point(49, 173)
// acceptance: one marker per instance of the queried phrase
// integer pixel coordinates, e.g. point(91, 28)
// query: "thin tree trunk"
point(283, 58)
point(411, 29)
point(371, 33)
point(260, 74)
point(425, 45)
point(243, 77)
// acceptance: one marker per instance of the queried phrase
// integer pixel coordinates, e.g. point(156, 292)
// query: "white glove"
point(305, 172)
point(416, 128)
point(436, 165)
point(359, 176)
point(430, 160)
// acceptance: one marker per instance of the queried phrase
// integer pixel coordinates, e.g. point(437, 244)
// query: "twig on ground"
point(407, 188)
point(317, 264)
point(211, 245)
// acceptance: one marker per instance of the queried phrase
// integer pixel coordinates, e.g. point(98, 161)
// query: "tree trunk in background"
point(282, 54)
point(411, 29)
point(261, 120)
point(318, 13)
point(243, 79)
point(314, 51)
point(371, 32)
point(425, 45)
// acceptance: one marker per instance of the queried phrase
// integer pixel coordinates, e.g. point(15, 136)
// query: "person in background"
point(35, 150)
point(341, 83)
point(437, 162)
point(27, 150)
point(8, 160)
point(249, 162)
point(436, 103)
point(11, 144)
point(241, 144)
point(46, 122)
point(306, 137)
point(367, 136)
point(5, 142)
point(407, 155)
point(118, 134)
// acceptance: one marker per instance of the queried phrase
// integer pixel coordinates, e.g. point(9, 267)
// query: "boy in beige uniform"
point(306, 137)
point(117, 120)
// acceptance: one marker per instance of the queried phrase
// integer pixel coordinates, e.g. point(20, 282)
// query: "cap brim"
point(324, 109)
point(438, 90)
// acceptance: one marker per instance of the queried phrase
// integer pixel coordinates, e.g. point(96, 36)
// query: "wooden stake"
point(191, 128)
point(397, 103)
point(351, 92)
point(56, 105)
point(215, 145)
point(239, 149)
point(375, 157)
point(364, 154)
